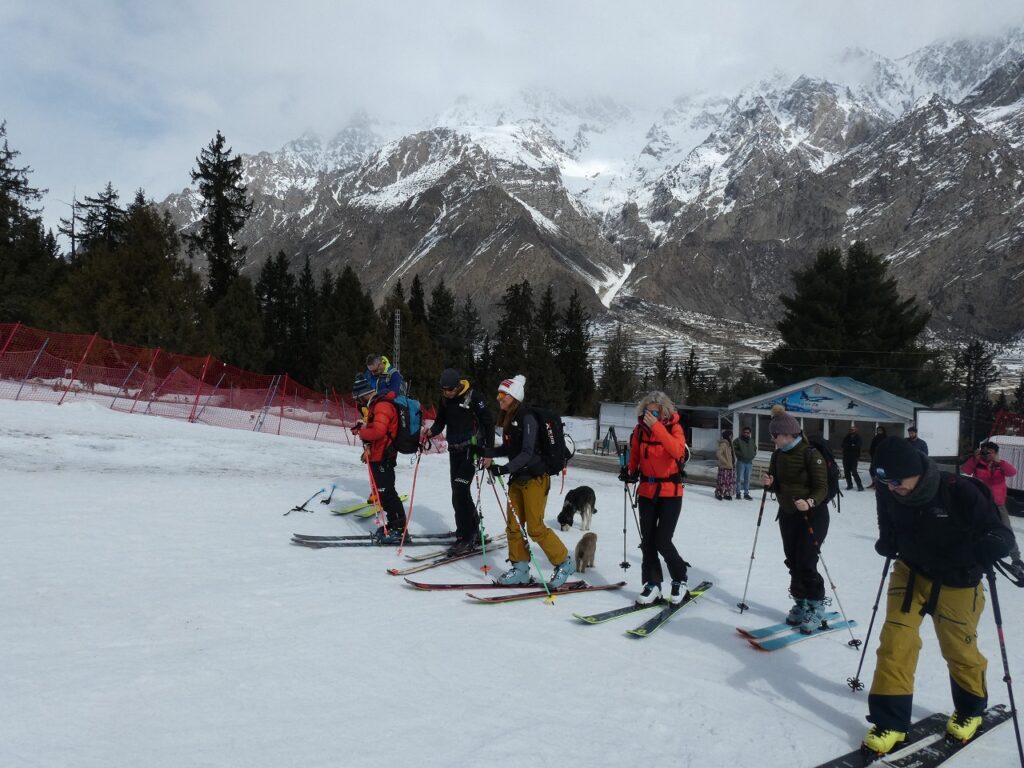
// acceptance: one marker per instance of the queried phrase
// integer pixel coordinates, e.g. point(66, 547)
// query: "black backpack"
point(551, 441)
point(831, 468)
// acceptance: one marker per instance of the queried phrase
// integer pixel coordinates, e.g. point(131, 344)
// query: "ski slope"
point(155, 614)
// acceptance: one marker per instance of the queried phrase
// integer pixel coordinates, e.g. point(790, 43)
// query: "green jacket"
point(746, 450)
point(792, 479)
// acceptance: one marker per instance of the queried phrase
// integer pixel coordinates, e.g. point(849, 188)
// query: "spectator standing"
point(851, 455)
point(986, 465)
point(746, 451)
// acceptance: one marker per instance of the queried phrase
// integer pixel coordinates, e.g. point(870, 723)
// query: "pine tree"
point(98, 220)
point(574, 358)
point(543, 369)
point(471, 334)
point(30, 263)
point(277, 296)
point(974, 372)
point(618, 377)
point(1018, 396)
point(846, 318)
point(135, 289)
point(306, 334)
point(443, 325)
point(514, 326)
point(225, 208)
point(418, 301)
point(240, 327)
point(662, 369)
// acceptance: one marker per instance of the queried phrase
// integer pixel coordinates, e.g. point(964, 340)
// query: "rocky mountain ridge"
point(702, 208)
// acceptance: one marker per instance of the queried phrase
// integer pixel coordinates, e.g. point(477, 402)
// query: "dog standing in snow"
point(580, 500)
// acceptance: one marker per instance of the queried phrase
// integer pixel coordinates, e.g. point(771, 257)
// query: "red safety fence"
point(55, 367)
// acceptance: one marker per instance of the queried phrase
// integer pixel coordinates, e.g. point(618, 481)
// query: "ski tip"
point(394, 572)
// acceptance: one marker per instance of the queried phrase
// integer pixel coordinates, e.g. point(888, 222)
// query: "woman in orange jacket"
point(655, 449)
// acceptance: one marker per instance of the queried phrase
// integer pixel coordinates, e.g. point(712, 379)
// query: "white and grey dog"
point(580, 500)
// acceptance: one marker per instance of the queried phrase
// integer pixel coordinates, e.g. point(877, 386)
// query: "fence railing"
point(56, 367)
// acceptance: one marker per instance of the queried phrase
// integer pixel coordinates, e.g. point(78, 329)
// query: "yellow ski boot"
point(882, 741)
point(962, 727)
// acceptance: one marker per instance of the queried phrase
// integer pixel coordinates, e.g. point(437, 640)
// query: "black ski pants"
point(384, 478)
point(850, 470)
point(802, 552)
point(462, 470)
point(658, 518)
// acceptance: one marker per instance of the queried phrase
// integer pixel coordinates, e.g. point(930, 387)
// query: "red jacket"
point(381, 427)
point(655, 452)
point(992, 474)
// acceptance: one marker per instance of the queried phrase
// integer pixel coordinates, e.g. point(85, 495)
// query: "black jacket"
point(940, 538)
point(465, 416)
point(851, 446)
point(519, 443)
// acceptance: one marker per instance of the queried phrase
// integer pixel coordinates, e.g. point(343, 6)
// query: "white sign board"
point(941, 430)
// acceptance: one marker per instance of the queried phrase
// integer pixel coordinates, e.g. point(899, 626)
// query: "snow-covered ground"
point(155, 614)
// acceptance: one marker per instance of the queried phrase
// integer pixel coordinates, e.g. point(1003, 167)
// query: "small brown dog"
point(585, 549)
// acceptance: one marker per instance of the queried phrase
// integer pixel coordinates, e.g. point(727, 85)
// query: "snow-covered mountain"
point(703, 206)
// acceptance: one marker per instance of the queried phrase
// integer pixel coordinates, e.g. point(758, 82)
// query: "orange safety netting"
point(55, 367)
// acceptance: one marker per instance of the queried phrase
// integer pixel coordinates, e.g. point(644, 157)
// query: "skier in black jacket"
point(463, 412)
point(851, 455)
point(943, 533)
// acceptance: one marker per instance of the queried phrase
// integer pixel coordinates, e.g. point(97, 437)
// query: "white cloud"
point(131, 91)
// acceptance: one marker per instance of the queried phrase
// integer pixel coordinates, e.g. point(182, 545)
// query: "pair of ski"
point(926, 745)
point(668, 610)
point(782, 635)
point(441, 557)
point(528, 591)
point(364, 509)
point(368, 540)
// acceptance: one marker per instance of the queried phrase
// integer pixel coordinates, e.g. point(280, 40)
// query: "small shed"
point(827, 406)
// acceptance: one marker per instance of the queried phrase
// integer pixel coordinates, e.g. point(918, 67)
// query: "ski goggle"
point(891, 482)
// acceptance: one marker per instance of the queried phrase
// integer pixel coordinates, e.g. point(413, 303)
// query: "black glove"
point(497, 470)
point(887, 548)
point(625, 476)
point(991, 547)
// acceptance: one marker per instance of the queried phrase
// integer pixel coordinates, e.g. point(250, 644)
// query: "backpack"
point(407, 438)
point(551, 441)
point(831, 468)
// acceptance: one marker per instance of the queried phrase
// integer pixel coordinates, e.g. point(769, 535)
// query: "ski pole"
point(990, 574)
point(854, 642)
point(632, 502)
point(329, 496)
point(412, 500)
point(522, 532)
point(624, 565)
point(486, 567)
point(302, 506)
point(855, 682)
point(742, 604)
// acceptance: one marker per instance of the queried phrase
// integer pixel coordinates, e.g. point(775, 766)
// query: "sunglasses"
point(502, 395)
point(655, 414)
point(448, 389)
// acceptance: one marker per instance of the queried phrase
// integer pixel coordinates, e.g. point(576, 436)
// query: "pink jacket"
point(992, 475)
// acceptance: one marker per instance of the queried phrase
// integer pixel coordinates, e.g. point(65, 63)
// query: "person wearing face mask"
point(655, 448)
point(943, 533)
point(798, 478)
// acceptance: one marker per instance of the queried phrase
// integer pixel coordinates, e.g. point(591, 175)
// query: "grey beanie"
point(783, 423)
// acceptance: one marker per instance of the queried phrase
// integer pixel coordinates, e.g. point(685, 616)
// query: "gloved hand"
point(625, 476)
point(358, 426)
point(497, 470)
point(886, 548)
point(992, 546)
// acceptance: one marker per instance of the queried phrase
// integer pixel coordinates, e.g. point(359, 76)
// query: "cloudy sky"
point(130, 90)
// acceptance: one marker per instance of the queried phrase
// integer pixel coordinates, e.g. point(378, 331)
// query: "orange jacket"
point(655, 452)
point(381, 427)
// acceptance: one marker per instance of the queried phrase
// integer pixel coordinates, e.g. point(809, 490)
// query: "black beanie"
point(896, 459)
point(450, 378)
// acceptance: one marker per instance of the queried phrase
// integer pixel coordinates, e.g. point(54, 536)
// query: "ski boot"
point(963, 727)
point(562, 571)
point(678, 593)
point(814, 616)
point(797, 613)
point(519, 573)
point(651, 594)
point(882, 741)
